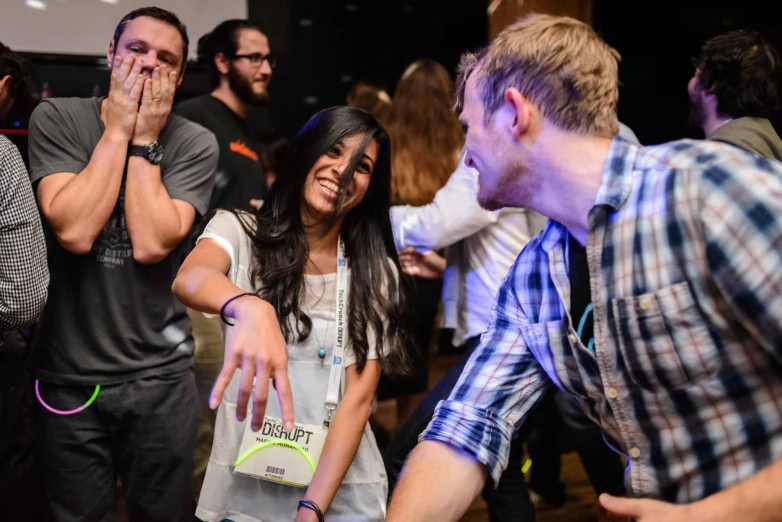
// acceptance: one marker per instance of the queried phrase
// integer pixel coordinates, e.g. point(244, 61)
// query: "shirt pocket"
point(664, 341)
point(553, 350)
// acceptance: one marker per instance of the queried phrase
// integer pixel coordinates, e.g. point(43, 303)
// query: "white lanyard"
point(340, 333)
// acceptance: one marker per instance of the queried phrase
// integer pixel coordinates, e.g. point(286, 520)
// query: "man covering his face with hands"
point(120, 182)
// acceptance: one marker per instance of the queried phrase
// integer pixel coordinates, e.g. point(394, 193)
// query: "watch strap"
point(139, 150)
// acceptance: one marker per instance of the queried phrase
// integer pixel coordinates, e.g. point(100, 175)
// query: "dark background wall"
point(323, 46)
point(658, 40)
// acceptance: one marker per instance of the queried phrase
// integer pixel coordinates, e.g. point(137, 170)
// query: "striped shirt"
point(685, 264)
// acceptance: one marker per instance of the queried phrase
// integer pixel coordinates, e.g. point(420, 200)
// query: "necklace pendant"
point(322, 355)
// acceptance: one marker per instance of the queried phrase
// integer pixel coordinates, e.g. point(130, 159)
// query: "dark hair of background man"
point(223, 39)
point(741, 70)
point(21, 87)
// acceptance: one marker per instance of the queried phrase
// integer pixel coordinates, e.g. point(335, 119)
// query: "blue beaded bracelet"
point(314, 507)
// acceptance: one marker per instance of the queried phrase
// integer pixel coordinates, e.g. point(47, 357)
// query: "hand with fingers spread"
point(259, 349)
point(156, 103)
point(428, 265)
point(125, 88)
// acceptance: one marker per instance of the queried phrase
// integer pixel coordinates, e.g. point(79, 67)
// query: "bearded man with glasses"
point(240, 69)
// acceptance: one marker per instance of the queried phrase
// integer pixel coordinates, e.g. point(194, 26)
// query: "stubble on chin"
point(486, 199)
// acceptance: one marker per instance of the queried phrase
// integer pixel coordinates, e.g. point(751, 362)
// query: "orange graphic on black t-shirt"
point(239, 147)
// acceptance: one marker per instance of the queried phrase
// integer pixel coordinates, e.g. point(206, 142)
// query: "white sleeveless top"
point(241, 498)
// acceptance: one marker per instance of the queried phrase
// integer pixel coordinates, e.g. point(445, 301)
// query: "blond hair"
point(558, 63)
point(426, 136)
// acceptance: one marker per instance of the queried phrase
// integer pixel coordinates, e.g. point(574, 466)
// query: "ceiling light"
point(35, 4)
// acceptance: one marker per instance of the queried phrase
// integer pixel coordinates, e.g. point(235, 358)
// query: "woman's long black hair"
point(281, 250)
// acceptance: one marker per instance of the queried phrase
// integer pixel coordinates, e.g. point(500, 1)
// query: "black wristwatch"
point(153, 152)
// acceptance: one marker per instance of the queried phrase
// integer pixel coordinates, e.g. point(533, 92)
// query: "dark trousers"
point(144, 431)
point(509, 502)
point(20, 474)
point(558, 411)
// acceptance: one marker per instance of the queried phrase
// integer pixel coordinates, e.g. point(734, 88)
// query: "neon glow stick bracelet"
point(68, 412)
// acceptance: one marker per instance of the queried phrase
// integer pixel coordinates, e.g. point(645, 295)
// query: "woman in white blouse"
point(273, 277)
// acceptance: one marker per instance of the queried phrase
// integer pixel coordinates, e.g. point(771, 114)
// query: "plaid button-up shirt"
point(685, 259)
point(24, 275)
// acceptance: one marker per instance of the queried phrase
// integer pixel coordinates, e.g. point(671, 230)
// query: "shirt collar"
point(614, 188)
point(617, 174)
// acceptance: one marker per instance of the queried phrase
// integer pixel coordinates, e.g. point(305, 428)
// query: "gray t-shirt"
point(109, 319)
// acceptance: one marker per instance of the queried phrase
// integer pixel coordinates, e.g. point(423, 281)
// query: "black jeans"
point(509, 502)
point(144, 431)
point(558, 410)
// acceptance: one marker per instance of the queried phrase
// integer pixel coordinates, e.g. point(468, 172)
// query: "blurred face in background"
point(249, 76)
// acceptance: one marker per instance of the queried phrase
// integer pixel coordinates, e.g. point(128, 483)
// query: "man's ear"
point(517, 111)
point(110, 54)
point(222, 63)
point(5, 82)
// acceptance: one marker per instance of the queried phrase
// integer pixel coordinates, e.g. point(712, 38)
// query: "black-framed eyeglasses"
point(257, 59)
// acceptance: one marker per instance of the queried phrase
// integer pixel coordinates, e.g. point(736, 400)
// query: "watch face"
point(155, 153)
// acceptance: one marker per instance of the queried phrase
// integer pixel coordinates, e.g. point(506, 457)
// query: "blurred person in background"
point(274, 153)
point(240, 67)
point(370, 98)
point(426, 142)
point(238, 58)
point(735, 90)
point(24, 278)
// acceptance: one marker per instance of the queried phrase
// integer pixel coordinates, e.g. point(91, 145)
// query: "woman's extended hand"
point(258, 347)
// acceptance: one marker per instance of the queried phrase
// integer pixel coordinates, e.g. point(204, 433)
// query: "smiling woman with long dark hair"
point(273, 277)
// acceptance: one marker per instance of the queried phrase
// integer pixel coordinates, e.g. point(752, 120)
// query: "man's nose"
point(150, 61)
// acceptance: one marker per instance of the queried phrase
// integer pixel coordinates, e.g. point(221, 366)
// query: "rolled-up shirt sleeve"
point(499, 386)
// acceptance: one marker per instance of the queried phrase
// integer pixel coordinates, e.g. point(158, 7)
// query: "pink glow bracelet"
point(69, 412)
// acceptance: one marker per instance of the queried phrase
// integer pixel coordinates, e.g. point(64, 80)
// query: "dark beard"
point(242, 87)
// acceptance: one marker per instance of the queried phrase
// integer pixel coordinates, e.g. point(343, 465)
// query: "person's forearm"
point(347, 428)
point(438, 483)
point(433, 226)
point(205, 289)
point(80, 210)
point(757, 499)
point(154, 224)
